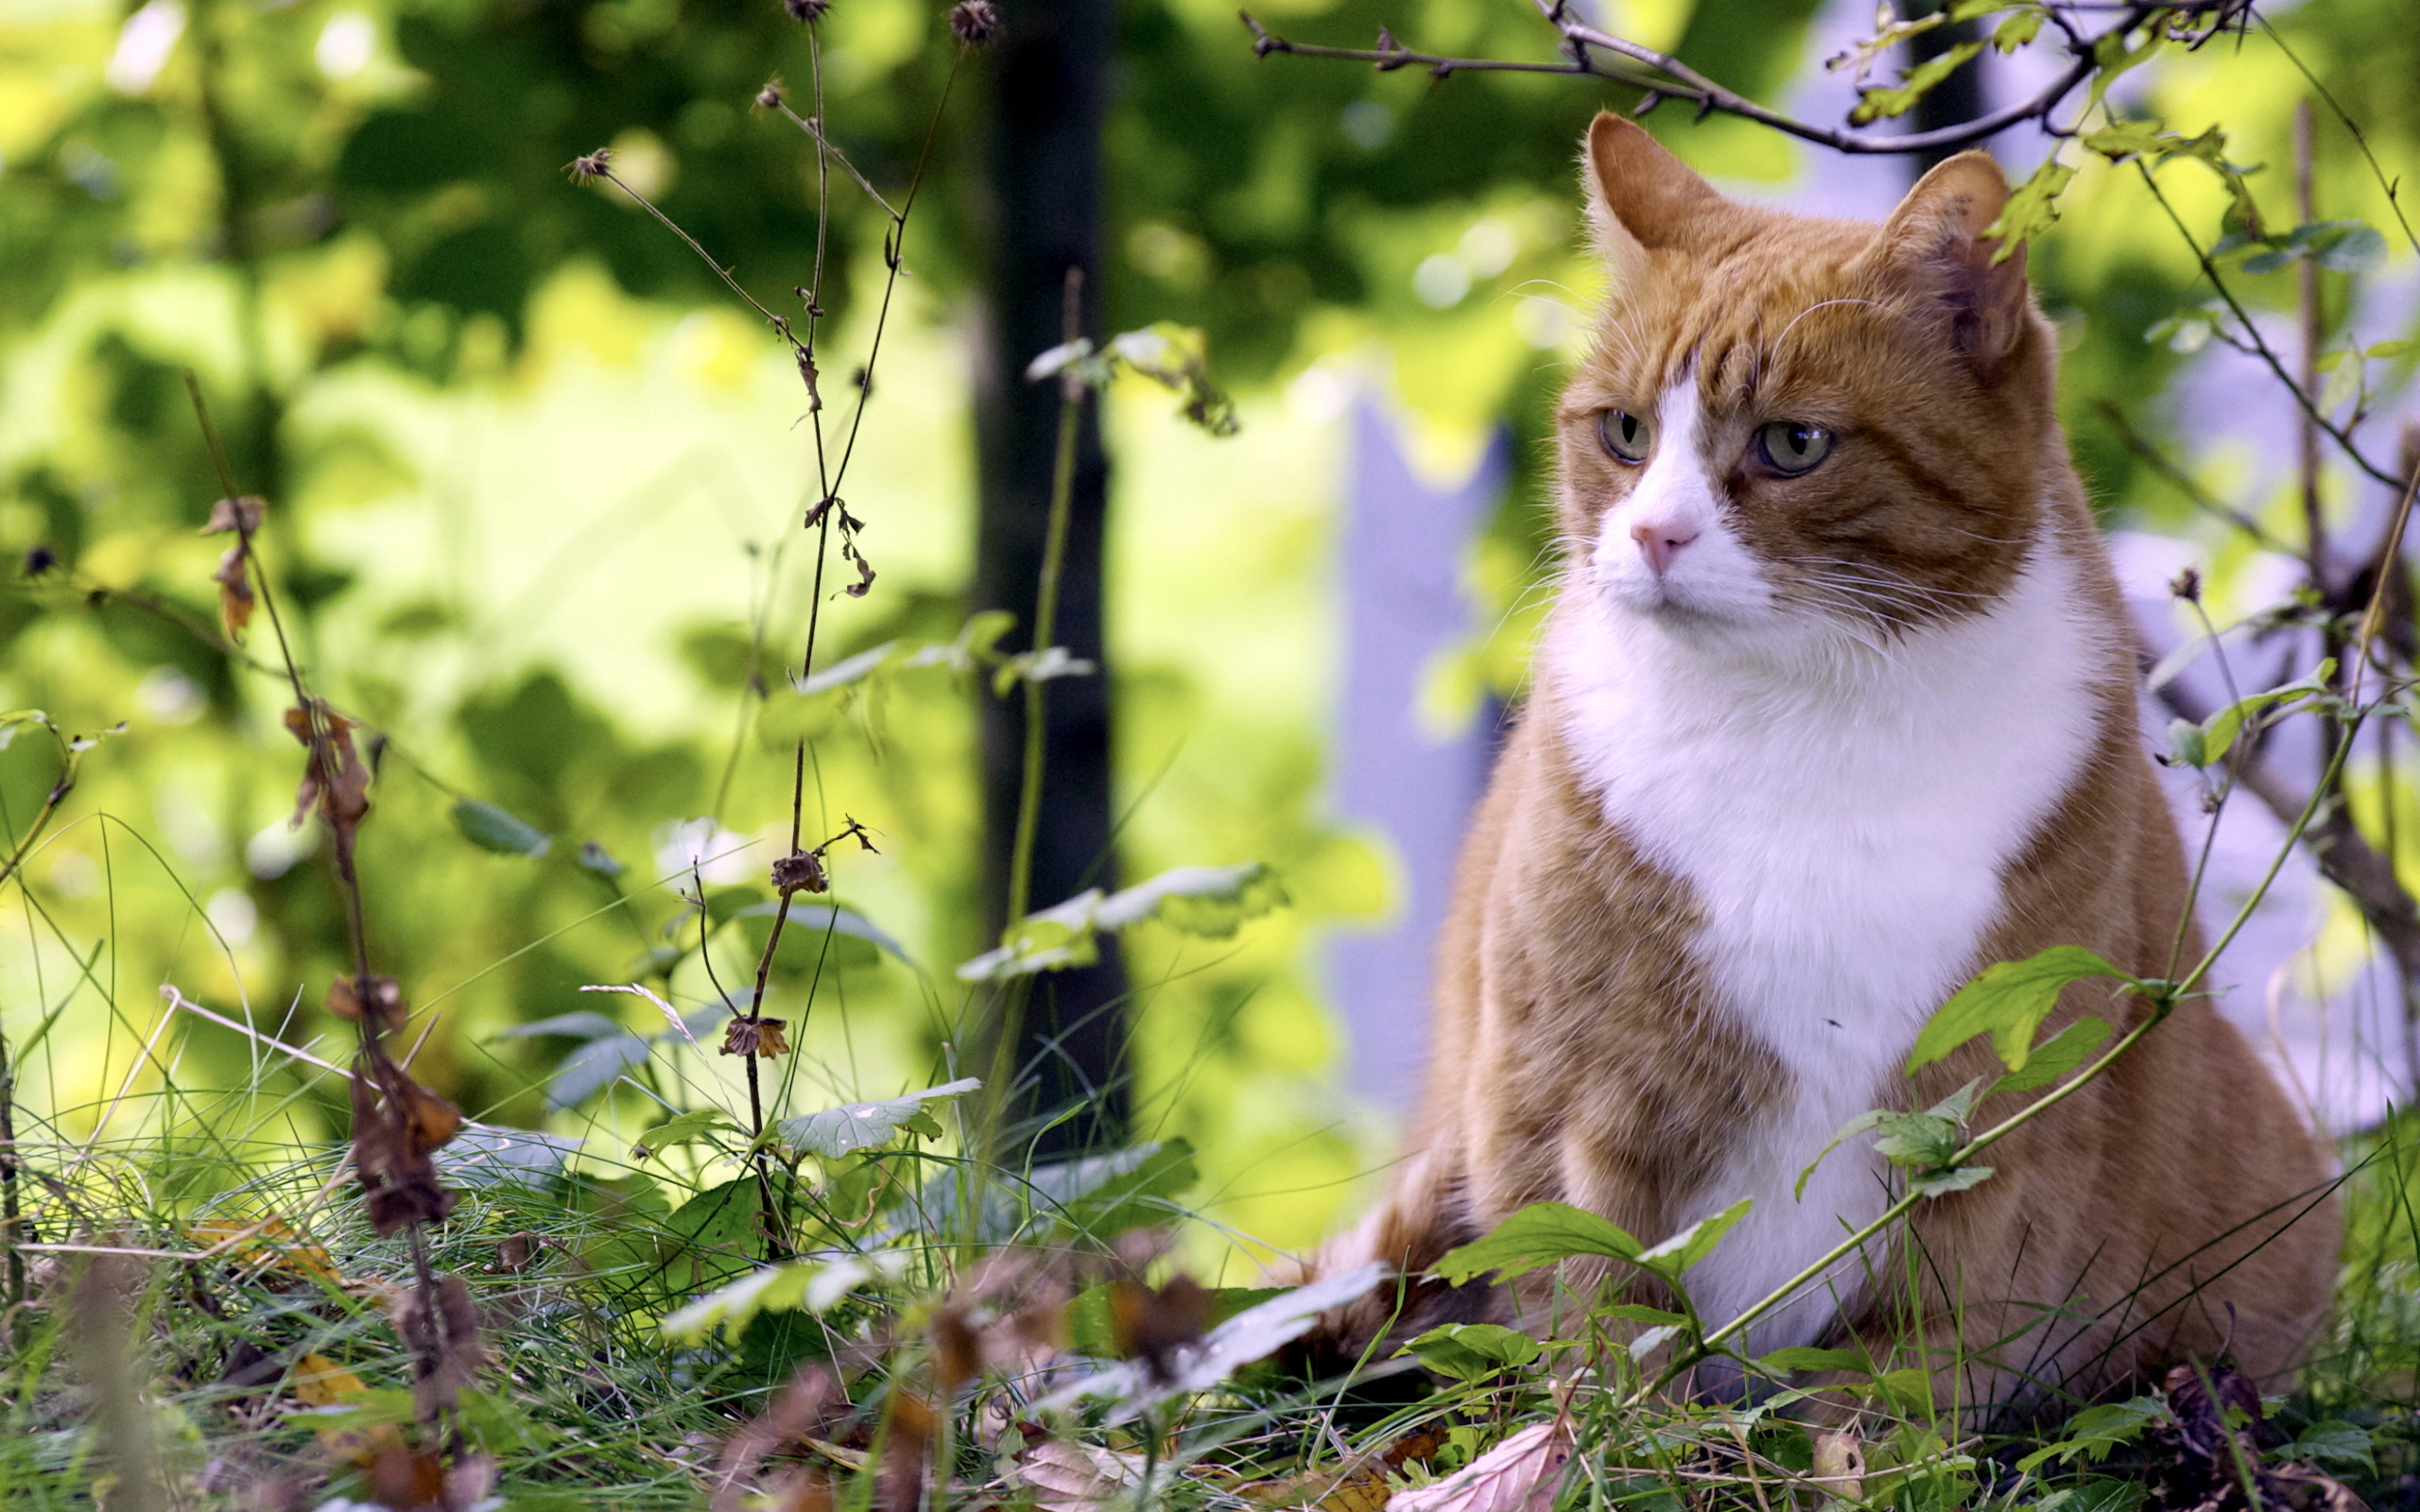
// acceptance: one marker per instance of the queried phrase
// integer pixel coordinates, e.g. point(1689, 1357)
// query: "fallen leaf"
point(1520, 1474)
point(1839, 1465)
point(321, 1382)
point(268, 1245)
point(1072, 1477)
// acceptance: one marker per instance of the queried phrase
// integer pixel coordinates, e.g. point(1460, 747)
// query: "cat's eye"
point(1625, 434)
point(1793, 446)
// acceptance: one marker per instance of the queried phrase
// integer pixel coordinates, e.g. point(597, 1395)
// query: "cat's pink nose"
point(1659, 542)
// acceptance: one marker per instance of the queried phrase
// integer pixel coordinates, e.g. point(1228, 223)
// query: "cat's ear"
point(1640, 196)
point(1935, 241)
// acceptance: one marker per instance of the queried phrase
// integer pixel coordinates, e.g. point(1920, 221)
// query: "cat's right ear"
point(1640, 196)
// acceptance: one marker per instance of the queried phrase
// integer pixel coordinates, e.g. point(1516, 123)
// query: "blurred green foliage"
point(534, 484)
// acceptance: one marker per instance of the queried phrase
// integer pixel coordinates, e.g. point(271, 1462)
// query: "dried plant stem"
point(371, 1063)
point(13, 1231)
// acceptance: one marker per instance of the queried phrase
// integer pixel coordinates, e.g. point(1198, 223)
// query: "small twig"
point(1664, 76)
point(2260, 343)
point(2185, 483)
point(827, 144)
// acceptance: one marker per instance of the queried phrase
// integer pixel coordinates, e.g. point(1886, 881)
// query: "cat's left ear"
point(1936, 241)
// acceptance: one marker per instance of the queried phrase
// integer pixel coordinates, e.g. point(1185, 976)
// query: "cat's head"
point(1795, 429)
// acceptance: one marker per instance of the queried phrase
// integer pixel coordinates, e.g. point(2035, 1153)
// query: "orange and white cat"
point(1837, 707)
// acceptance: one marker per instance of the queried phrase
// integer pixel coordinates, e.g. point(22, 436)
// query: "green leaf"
point(813, 1285)
point(2094, 1432)
point(1940, 1183)
point(2339, 246)
point(2009, 1001)
point(2220, 730)
point(1693, 1243)
point(1634, 1313)
point(1797, 1358)
point(1916, 1141)
point(1136, 1193)
point(1471, 1352)
point(2335, 1439)
point(491, 829)
point(2392, 348)
point(817, 917)
point(836, 1131)
point(2055, 1056)
point(1877, 102)
point(686, 1128)
point(2017, 31)
point(2031, 210)
point(581, 1025)
point(1542, 1233)
point(594, 1067)
point(1210, 900)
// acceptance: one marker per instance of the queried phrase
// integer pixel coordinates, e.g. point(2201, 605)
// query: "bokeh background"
point(535, 478)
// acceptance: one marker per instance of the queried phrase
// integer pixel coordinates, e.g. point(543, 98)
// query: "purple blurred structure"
point(1402, 552)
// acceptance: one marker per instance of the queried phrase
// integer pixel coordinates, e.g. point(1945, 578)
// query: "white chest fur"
point(1843, 821)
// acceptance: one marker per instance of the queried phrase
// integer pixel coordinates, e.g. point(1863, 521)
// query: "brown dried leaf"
point(232, 514)
point(446, 1337)
point(906, 1451)
point(392, 1145)
point(1152, 1325)
point(1520, 1474)
point(402, 1481)
point(1359, 1486)
point(234, 593)
point(344, 1001)
point(334, 779)
point(957, 1351)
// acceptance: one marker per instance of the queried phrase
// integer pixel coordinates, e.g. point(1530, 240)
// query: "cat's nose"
point(1660, 540)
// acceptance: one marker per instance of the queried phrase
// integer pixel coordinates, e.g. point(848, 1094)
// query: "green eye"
point(1793, 446)
point(1625, 434)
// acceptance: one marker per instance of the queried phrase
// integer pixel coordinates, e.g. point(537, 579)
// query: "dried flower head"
point(800, 871)
point(754, 1036)
point(2187, 585)
point(242, 514)
point(769, 98)
point(975, 21)
point(344, 1001)
point(584, 169)
point(806, 11)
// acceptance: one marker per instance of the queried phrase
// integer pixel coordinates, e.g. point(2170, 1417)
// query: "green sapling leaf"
point(1541, 1234)
point(491, 829)
point(836, 1131)
point(2007, 1001)
point(1471, 1352)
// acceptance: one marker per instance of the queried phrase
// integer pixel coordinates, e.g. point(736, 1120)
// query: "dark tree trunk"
point(1049, 89)
point(1956, 99)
